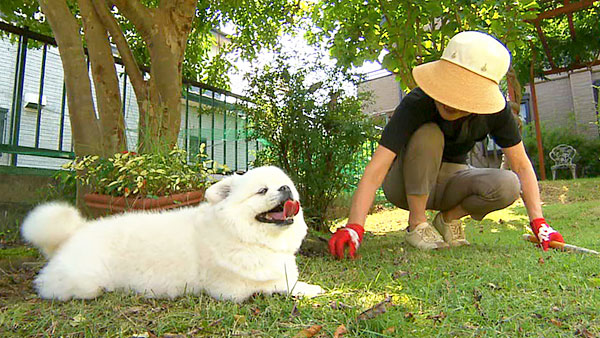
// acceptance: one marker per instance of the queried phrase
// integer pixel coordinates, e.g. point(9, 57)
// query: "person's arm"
point(521, 165)
point(351, 235)
point(371, 180)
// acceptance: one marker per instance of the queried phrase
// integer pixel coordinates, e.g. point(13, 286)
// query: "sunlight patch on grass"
point(381, 222)
point(509, 216)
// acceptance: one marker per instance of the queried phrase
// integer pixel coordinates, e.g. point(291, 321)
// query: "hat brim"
point(459, 87)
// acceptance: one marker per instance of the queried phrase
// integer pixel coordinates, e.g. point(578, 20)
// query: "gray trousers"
point(419, 170)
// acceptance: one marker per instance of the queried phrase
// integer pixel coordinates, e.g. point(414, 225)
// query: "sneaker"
point(453, 232)
point(424, 237)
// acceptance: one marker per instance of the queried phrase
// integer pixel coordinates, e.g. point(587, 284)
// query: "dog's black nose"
point(286, 192)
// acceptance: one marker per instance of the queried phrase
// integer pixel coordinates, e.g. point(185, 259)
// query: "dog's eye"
point(263, 191)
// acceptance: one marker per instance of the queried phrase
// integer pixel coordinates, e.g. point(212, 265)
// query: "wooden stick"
point(560, 246)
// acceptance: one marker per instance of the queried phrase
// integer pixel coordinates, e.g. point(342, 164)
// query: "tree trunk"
point(106, 83)
point(165, 31)
point(85, 128)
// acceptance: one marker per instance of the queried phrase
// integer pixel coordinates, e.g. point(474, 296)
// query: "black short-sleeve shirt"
point(417, 108)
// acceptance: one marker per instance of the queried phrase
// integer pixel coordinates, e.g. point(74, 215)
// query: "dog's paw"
point(307, 290)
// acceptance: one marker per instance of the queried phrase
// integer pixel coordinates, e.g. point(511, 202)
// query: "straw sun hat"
point(468, 74)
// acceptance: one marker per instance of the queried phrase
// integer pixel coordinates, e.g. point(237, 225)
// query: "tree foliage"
point(566, 49)
point(311, 125)
point(411, 32)
point(254, 26)
point(159, 43)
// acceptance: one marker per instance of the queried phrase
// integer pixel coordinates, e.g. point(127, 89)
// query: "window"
point(3, 115)
point(596, 88)
point(524, 112)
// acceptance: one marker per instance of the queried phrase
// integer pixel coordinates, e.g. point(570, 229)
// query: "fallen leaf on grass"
point(477, 295)
point(556, 322)
point(143, 335)
point(216, 322)
point(437, 318)
point(376, 310)
point(541, 260)
point(389, 330)
point(255, 311)
point(133, 310)
point(335, 305)
point(583, 332)
point(493, 286)
point(239, 319)
point(340, 331)
point(310, 332)
point(75, 321)
point(295, 312)
point(399, 274)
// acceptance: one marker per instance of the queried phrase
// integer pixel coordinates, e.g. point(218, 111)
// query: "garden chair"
point(563, 155)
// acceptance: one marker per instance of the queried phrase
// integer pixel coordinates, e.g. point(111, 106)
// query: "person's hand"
point(350, 235)
point(545, 233)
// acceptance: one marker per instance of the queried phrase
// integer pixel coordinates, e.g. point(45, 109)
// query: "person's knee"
point(428, 136)
point(509, 187)
point(501, 187)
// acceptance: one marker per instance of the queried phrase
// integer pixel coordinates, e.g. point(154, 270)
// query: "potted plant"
point(131, 181)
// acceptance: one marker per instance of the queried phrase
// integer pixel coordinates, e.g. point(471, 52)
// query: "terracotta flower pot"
point(101, 205)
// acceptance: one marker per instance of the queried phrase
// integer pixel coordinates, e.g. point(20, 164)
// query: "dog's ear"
point(220, 190)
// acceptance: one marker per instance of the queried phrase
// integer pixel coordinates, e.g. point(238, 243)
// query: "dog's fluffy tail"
point(49, 225)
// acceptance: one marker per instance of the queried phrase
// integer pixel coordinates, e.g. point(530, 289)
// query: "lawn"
point(500, 286)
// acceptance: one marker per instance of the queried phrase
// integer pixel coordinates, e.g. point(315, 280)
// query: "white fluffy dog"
point(241, 241)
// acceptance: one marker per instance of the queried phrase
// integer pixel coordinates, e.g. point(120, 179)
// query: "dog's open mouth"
point(283, 214)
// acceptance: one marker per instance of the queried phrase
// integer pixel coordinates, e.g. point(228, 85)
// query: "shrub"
point(144, 175)
point(588, 151)
point(311, 127)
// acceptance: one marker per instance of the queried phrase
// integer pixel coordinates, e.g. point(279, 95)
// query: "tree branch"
point(105, 78)
point(140, 15)
point(131, 66)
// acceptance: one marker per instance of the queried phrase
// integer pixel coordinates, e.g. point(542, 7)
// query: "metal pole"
point(212, 130)
point(187, 115)
point(225, 131)
point(18, 94)
point(124, 95)
point(40, 97)
point(536, 116)
point(61, 132)
point(236, 137)
point(246, 139)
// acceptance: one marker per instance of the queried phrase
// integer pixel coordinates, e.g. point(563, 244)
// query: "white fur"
point(218, 247)
point(65, 221)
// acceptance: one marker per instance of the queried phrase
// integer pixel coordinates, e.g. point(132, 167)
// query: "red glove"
point(351, 235)
point(545, 233)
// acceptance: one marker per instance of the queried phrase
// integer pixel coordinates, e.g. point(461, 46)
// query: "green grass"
point(500, 286)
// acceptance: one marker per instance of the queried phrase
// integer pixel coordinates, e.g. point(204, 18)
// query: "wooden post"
point(538, 131)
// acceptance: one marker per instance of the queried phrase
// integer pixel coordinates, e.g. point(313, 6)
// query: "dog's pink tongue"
point(291, 208)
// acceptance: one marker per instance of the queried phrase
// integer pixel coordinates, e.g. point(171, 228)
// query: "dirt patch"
point(569, 191)
point(16, 277)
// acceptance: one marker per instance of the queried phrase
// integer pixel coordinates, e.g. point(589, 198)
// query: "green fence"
point(34, 122)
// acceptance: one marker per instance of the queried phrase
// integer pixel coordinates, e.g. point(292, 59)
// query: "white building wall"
point(51, 113)
point(567, 101)
point(386, 94)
